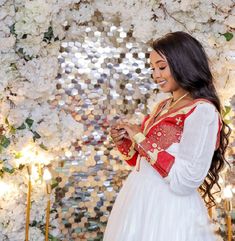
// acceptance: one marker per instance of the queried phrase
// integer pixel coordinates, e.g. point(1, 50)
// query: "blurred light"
point(35, 174)
point(68, 153)
point(4, 188)
point(47, 175)
point(218, 199)
point(221, 181)
point(227, 193)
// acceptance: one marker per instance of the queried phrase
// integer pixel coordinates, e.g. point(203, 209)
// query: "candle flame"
point(4, 188)
point(227, 193)
point(47, 175)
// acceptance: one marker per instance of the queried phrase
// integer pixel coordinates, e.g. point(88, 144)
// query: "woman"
point(178, 151)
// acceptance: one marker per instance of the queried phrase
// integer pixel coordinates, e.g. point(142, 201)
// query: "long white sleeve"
point(195, 150)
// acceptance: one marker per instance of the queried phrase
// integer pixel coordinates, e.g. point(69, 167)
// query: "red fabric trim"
point(164, 133)
point(125, 146)
point(143, 122)
point(160, 137)
point(164, 163)
point(132, 161)
point(164, 116)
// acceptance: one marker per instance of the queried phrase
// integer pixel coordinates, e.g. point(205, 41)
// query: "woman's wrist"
point(139, 137)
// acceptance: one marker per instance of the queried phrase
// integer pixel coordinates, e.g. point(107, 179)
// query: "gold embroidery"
point(139, 137)
point(153, 156)
point(178, 120)
point(155, 112)
point(130, 154)
point(183, 110)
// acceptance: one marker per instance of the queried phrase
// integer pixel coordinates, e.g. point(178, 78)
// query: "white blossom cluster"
point(31, 33)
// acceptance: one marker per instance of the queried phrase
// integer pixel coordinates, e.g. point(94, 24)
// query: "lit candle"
point(47, 179)
point(228, 207)
point(28, 204)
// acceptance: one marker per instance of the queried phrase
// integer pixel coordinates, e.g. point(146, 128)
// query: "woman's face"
point(161, 72)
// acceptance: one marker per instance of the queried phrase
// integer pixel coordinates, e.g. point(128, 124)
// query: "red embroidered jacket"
point(157, 135)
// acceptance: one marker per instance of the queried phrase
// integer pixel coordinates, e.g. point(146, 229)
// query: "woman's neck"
point(179, 93)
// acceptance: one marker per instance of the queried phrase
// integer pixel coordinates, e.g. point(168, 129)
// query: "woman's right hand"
point(118, 134)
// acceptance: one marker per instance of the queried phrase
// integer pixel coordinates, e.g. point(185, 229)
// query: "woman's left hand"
point(131, 129)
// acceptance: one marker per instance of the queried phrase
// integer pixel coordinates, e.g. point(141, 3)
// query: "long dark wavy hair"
point(189, 65)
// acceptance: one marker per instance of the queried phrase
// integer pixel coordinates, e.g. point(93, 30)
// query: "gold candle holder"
point(48, 188)
point(228, 209)
point(29, 169)
point(47, 178)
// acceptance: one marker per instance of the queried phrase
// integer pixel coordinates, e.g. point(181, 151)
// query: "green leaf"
point(21, 53)
point(22, 127)
point(8, 170)
point(29, 122)
point(4, 141)
point(1, 173)
point(226, 110)
point(228, 36)
point(35, 135)
point(48, 35)
point(21, 166)
point(6, 121)
point(12, 29)
point(52, 238)
point(43, 147)
point(13, 66)
point(227, 121)
point(54, 183)
point(12, 130)
point(34, 223)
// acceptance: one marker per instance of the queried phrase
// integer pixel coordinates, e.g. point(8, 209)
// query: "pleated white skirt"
point(147, 210)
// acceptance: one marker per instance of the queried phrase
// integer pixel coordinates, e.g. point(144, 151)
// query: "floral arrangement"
point(31, 33)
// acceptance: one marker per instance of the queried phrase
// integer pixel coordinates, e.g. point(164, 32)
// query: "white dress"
point(152, 208)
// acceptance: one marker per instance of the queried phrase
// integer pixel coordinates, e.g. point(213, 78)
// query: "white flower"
point(7, 43)
point(146, 29)
point(17, 116)
point(33, 18)
point(230, 21)
point(46, 113)
point(31, 45)
point(2, 2)
point(36, 234)
point(41, 74)
point(224, 6)
point(51, 49)
point(186, 5)
point(71, 124)
point(84, 13)
point(7, 72)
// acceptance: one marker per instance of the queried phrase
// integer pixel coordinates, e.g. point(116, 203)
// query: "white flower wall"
point(31, 33)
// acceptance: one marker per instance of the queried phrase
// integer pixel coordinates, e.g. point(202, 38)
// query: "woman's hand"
point(130, 128)
point(118, 134)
